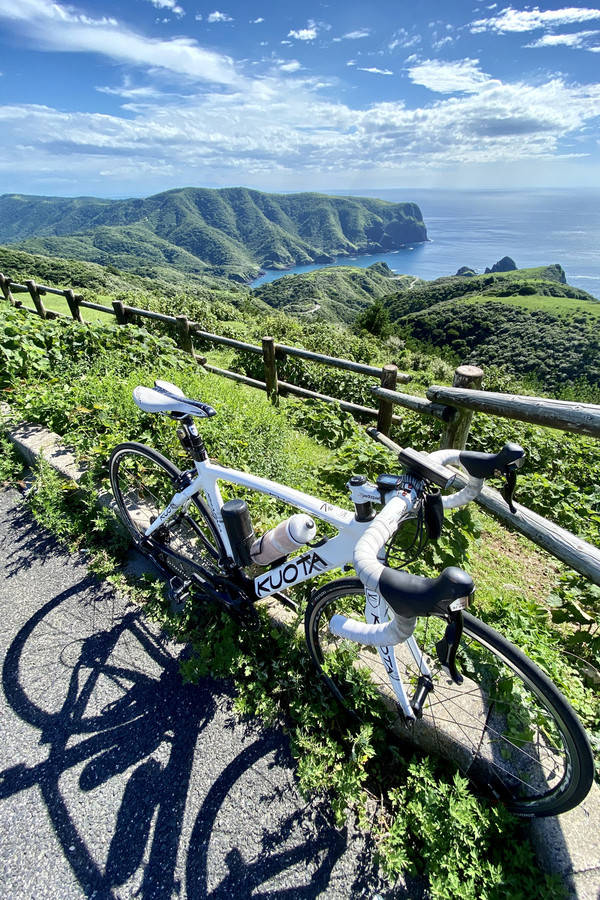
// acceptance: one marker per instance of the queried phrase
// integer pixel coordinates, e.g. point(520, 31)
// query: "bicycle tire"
point(143, 481)
point(507, 727)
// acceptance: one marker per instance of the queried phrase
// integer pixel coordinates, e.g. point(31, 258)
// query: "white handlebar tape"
point(367, 565)
point(385, 634)
point(472, 489)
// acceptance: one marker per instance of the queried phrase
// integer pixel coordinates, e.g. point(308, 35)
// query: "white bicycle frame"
point(331, 553)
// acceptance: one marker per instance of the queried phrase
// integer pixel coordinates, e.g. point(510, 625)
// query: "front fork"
point(377, 611)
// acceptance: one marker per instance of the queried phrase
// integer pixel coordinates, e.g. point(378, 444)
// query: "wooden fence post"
point(73, 305)
point(121, 313)
point(5, 286)
point(36, 296)
point(270, 364)
point(184, 334)
point(457, 429)
point(389, 377)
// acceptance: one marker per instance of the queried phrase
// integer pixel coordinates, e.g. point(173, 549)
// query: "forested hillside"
point(337, 292)
point(109, 281)
point(528, 321)
point(233, 231)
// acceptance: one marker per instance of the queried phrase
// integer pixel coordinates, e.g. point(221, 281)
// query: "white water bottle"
point(283, 539)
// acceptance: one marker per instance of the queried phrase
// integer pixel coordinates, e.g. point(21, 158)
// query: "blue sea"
point(477, 228)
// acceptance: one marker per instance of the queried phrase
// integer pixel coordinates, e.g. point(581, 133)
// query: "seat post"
point(191, 439)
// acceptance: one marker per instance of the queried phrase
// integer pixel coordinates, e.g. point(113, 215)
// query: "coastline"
point(313, 266)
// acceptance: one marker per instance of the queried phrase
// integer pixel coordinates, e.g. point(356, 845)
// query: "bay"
point(477, 228)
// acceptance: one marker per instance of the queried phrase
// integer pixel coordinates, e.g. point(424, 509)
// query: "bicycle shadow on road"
point(119, 747)
point(29, 544)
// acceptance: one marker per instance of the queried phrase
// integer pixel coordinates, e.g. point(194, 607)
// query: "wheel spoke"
point(504, 724)
point(144, 483)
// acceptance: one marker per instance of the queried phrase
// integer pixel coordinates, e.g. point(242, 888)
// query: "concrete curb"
point(568, 845)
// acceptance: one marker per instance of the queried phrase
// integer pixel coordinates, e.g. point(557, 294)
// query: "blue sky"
point(130, 98)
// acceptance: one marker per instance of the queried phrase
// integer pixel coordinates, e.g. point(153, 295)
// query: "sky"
point(135, 97)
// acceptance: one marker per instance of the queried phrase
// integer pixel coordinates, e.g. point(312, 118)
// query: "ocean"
point(477, 228)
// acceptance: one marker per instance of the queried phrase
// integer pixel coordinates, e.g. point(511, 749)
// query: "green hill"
point(102, 282)
point(233, 232)
point(529, 321)
point(338, 292)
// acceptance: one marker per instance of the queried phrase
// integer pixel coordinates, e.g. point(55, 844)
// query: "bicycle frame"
point(331, 553)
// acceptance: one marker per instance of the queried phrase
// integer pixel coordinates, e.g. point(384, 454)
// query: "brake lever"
point(508, 491)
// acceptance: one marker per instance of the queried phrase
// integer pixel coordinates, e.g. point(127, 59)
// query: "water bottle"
point(286, 537)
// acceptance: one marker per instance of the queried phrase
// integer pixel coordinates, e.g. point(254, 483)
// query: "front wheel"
point(506, 726)
point(143, 482)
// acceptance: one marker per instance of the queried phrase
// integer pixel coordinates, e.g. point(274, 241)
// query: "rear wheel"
point(143, 483)
point(506, 726)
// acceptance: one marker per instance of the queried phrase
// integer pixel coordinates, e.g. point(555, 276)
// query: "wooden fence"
point(454, 406)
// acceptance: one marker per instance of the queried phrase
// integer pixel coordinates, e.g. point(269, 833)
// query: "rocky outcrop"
point(506, 264)
point(555, 272)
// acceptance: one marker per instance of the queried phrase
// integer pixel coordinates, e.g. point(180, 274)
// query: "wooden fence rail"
point(582, 418)
point(417, 404)
point(454, 406)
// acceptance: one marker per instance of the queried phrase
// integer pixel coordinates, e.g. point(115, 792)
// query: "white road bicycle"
point(386, 643)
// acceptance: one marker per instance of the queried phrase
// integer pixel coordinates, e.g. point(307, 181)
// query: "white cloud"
point(442, 42)
point(281, 128)
point(516, 20)
point(292, 66)
point(280, 125)
point(168, 4)
point(354, 35)
point(56, 27)
point(127, 92)
point(576, 40)
point(375, 70)
point(53, 13)
point(217, 16)
point(351, 62)
point(257, 21)
point(403, 38)
point(304, 34)
point(463, 76)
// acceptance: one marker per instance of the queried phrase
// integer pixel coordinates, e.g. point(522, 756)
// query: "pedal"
point(243, 611)
point(178, 592)
point(247, 616)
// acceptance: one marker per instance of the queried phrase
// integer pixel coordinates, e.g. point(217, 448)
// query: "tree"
point(374, 319)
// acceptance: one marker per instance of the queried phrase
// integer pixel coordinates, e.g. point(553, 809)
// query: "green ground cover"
point(60, 305)
point(560, 306)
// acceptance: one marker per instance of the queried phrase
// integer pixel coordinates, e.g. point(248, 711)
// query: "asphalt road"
point(118, 781)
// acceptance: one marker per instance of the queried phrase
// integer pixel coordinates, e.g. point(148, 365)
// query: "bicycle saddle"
point(165, 397)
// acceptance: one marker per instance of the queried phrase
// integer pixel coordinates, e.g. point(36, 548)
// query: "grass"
point(505, 561)
point(60, 305)
point(560, 306)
